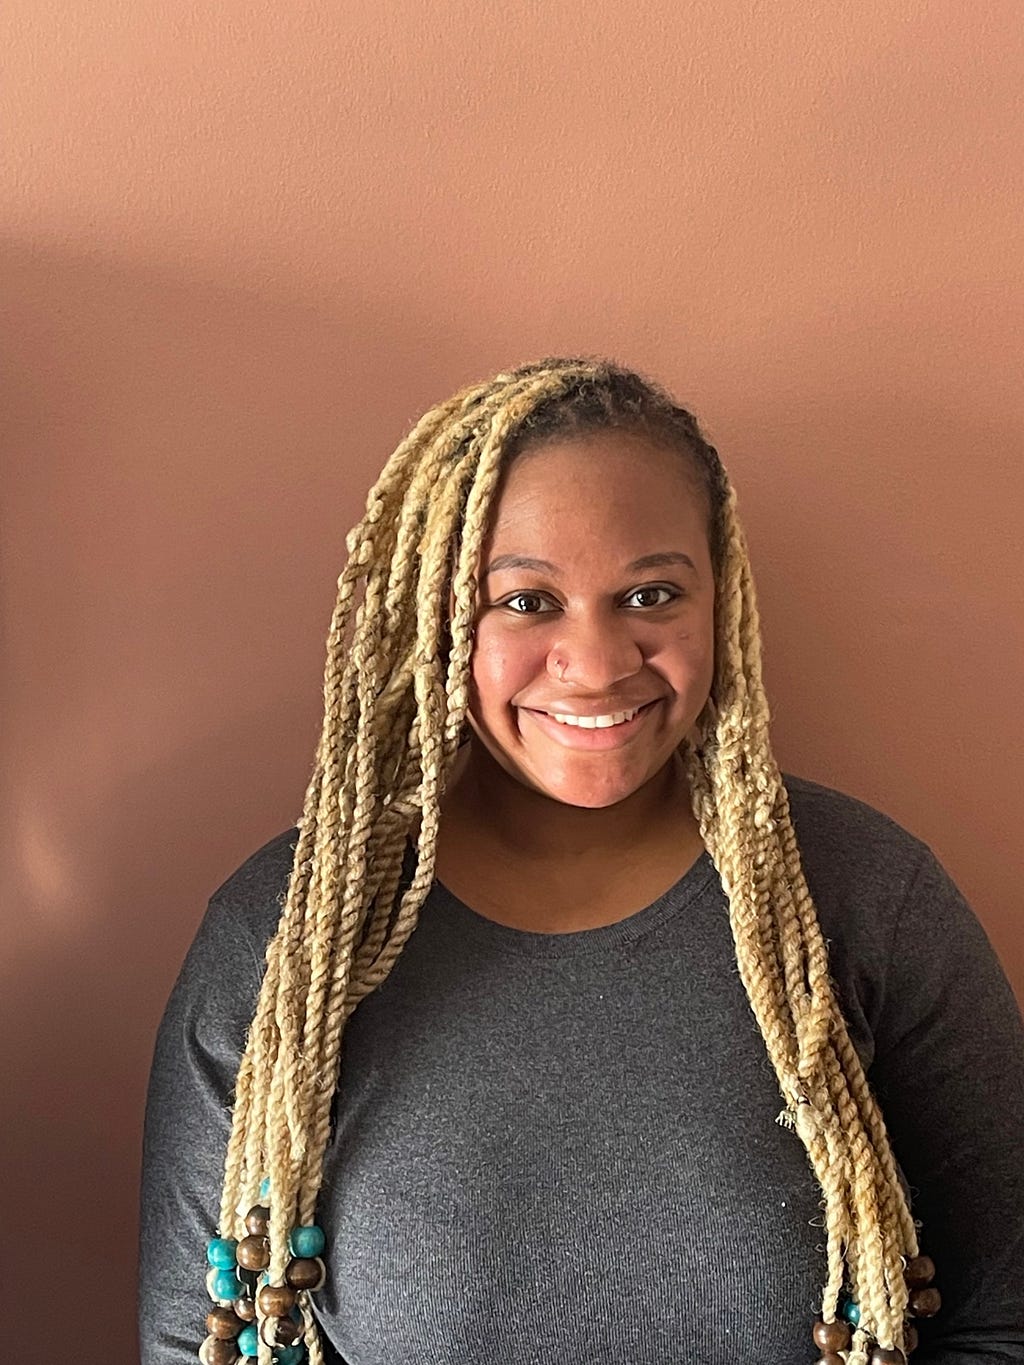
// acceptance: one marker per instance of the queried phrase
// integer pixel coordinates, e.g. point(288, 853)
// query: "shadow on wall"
point(184, 465)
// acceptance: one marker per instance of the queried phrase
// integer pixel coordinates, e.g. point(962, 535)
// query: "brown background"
point(246, 244)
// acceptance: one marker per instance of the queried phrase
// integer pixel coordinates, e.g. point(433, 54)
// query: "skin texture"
point(589, 636)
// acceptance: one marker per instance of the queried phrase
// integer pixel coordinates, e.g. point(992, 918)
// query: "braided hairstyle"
point(395, 699)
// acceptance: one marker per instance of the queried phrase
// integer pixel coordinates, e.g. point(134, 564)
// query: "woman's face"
point(597, 598)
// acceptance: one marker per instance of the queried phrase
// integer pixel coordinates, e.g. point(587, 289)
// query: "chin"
point(588, 795)
point(596, 802)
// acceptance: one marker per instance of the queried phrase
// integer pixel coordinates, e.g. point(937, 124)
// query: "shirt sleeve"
point(188, 1118)
point(949, 1074)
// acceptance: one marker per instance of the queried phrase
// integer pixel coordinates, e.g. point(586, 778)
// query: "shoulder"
point(848, 846)
point(862, 869)
point(253, 895)
point(261, 878)
point(900, 933)
point(212, 1001)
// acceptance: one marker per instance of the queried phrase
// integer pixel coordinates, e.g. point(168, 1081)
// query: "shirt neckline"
point(470, 925)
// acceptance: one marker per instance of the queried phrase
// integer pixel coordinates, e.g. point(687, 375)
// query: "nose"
point(594, 653)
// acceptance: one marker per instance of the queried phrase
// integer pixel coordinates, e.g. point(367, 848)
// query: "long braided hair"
point(395, 699)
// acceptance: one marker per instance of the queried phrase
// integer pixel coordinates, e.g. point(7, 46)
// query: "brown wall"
point(247, 243)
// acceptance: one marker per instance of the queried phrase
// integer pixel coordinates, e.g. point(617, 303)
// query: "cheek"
point(686, 658)
point(501, 667)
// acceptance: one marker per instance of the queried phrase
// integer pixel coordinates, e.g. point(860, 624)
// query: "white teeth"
point(596, 722)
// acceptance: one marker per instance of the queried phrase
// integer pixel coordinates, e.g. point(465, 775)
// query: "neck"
point(528, 825)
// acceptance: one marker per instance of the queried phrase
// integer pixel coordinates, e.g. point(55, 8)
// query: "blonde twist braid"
point(743, 811)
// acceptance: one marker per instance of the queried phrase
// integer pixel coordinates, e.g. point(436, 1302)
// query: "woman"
point(552, 1131)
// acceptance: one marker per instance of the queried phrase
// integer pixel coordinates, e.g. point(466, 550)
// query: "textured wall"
point(245, 244)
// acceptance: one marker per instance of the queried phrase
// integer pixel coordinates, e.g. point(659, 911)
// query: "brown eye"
point(532, 603)
point(667, 595)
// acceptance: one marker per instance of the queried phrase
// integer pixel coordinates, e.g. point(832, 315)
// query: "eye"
point(533, 604)
point(668, 595)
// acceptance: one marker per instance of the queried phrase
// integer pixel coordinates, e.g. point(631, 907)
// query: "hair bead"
point(249, 1341)
point(223, 1286)
point(306, 1274)
point(276, 1300)
point(280, 1331)
point(919, 1272)
point(831, 1337)
point(925, 1303)
point(220, 1253)
point(223, 1323)
point(307, 1241)
point(217, 1351)
point(257, 1220)
point(253, 1252)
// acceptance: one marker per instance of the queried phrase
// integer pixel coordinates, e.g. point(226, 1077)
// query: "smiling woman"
point(587, 674)
point(556, 1133)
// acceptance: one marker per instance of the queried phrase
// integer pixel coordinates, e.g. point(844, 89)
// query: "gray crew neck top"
point(563, 1147)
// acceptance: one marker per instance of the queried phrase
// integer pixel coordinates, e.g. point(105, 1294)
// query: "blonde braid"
point(743, 812)
point(396, 693)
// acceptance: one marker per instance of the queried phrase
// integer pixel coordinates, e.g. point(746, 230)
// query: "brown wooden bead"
point(910, 1337)
point(832, 1337)
point(277, 1299)
point(253, 1252)
point(925, 1303)
point(920, 1272)
point(257, 1220)
point(288, 1330)
point(246, 1309)
point(830, 1358)
point(223, 1323)
point(214, 1351)
point(280, 1331)
point(304, 1273)
point(886, 1355)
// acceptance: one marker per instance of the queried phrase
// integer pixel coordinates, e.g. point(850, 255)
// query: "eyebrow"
point(664, 559)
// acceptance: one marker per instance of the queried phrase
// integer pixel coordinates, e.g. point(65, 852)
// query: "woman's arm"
point(949, 1074)
point(188, 1113)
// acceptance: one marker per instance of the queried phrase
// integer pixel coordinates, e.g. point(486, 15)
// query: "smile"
point(596, 722)
point(611, 731)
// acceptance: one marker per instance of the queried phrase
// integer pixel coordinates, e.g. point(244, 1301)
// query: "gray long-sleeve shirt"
point(563, 1147)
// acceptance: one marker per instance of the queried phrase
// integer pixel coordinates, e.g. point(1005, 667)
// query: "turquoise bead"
point(265, 1187)
point(306, 1242)
point(850, 1312)
point(225, 1285)
point(221, 1253)
point(249, 1341)
point(289, 1355)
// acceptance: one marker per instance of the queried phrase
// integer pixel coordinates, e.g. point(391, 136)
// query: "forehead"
point(615, 490)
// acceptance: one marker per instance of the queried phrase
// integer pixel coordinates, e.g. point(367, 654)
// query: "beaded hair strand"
point(396, 688)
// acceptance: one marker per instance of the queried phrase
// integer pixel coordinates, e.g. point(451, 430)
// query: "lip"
point(575, 737)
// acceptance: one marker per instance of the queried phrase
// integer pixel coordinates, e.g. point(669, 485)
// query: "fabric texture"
point(564, 1147)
